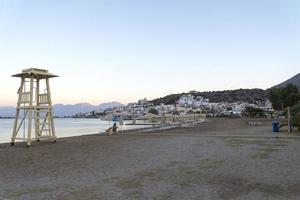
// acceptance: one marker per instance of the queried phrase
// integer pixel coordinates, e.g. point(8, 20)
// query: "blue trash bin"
point(275, 126)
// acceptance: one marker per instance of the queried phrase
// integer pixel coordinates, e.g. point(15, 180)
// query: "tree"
point(284, 97)
point(290, 96)
point(153, 111)
point(275, 98)
point(296, 115)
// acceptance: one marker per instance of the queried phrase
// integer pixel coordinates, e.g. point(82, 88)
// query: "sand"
point(218, 159)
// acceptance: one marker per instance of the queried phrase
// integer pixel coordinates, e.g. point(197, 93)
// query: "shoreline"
point(162, 129)
point(128, 131)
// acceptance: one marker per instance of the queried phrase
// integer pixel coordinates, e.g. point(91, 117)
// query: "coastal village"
point(186, 104)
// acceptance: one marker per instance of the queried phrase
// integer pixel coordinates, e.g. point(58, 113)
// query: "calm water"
point(65, 127)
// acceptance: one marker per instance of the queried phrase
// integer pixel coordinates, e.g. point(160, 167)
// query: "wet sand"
point(217, 159)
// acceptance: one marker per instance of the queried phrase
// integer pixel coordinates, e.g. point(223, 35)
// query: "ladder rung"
point(44, 137)
point(20, 138)
point(25, 102)
point(41, 117)
point(35, 138)
point(25, 107)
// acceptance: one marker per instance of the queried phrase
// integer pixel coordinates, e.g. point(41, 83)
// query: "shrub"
point(253, 112)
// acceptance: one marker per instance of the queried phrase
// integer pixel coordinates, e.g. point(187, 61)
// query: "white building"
point(186, 100)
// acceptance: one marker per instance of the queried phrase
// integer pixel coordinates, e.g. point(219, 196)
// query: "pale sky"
point(117, 50)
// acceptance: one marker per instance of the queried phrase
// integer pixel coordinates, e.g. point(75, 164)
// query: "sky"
point(116, 50)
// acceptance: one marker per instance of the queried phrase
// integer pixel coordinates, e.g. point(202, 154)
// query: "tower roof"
point(35, 73)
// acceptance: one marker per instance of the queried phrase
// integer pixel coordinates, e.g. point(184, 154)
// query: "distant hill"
point(295, 80)
point(61, 110)
point(7, 111)
point(246, 95)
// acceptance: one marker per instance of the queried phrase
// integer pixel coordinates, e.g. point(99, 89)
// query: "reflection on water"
point(65, 127)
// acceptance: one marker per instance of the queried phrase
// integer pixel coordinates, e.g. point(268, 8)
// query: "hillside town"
point(186, 104)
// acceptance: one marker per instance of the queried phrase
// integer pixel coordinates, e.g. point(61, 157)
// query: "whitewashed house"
point(186, 100)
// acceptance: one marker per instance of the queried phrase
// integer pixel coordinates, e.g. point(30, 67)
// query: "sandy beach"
point(217, 159)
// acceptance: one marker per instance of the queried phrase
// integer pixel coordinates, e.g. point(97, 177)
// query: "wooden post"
point(30, 113)
point(37, 110)
point(289, 119)
point(20, 92)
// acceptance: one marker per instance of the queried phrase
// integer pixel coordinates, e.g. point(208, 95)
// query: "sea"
point(68, 127)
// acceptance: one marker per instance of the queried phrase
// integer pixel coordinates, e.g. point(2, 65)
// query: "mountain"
point(246, 95)
point(7, 111)
point(61, 110)
point(295, 80)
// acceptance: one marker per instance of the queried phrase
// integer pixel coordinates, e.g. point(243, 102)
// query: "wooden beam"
point(52, 127)
point(30, 113)
point(14, 134)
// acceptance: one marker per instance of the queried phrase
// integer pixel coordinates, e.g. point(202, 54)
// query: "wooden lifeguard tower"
point(34, 104)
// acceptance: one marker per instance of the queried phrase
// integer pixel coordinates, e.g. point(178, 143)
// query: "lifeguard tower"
point(34, 104)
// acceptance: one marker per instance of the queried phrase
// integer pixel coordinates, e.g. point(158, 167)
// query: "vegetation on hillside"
point(246, 95)
point(169, 99)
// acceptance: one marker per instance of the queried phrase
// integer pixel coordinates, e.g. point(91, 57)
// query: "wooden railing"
point(43, 99)
point(25, 97)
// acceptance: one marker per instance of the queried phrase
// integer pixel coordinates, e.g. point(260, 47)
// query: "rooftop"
point(35, 73)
